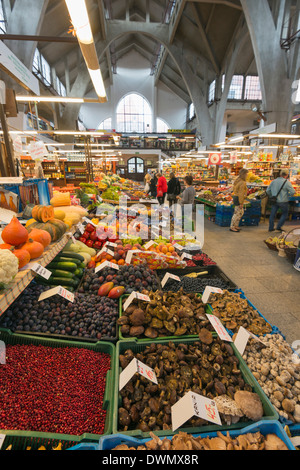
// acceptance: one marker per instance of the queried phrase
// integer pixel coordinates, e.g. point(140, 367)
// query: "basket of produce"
point(62, 389)
point(32, 442)
point(180, 366)
point(273, 242)
point(264, 435)
point(168, 315)
point(89, 318)
point(291, 242)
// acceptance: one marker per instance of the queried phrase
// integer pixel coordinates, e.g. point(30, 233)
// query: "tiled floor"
point(270, 282)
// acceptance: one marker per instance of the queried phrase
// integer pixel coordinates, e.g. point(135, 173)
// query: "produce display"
point(56, 390)
point(277, 370)
point(187, 442)
point(196, 282)
point(208, 367)
point(128, 277)
point(200, 259)
point(234, 311)
point(89, 317)
point(167, 314)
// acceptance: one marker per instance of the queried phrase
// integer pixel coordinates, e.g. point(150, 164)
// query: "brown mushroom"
point(205, 336)
point(250, 404)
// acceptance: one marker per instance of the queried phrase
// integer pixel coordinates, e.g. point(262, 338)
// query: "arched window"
point(136, 165)
point(106, 125)
point(161, 126)
point(134, 114)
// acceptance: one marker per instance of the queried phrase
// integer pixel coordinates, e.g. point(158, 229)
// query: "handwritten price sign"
point(191, 405)
point(134, 367)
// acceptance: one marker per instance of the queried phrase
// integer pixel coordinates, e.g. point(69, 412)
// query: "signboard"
point(215, 159)
point(14, 67)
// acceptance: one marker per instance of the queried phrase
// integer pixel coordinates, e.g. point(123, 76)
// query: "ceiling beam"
point(175, 88)
point(220, 2)
point(22, 37)
point(205, 39)
point(175, 19)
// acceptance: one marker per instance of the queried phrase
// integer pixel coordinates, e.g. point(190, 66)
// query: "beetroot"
point(53, 390)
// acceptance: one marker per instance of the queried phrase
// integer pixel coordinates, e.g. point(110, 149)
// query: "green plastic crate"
point(102, 347)
point(269, 411)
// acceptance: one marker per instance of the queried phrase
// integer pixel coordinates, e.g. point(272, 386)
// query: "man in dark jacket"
point(174, 189)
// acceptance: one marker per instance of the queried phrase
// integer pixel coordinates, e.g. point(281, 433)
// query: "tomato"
point(83, 240)
point(90, 228)
point(89, 243)
point(93, 236)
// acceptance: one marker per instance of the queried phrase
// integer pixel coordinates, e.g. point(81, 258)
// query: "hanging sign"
point(215, 159)
point(37, 150)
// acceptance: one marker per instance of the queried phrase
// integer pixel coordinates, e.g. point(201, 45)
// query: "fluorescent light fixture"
point(98, 83)
point(48, 99)
point(279, 136)
point(237, 139)
point(80, 19)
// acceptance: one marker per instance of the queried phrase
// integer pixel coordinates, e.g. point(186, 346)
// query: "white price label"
point(72, 237)
point(242, 338)
point(106, 264)
point(129, 255)
point(209, 290)
point(169, 276)
point(178, 247)
point(111, 244)
point(81, 228)
point(134, 367)
point(219, 328)
point(149, 244)
point(186, 255)
point(88, 221)
point(133, 296)
point(2, 437)
point(106, 250)
point(59, 290)
point(191, 405)
point(41, 271)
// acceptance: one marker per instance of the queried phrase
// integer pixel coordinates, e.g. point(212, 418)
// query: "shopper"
point(239, 196)
point(147, 181)
point(279, 192)
point(153, 185)
point(187, 198)
point(174, 189)
point(162, 188)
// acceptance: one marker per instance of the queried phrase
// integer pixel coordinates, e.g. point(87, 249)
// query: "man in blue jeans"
point(283, 189)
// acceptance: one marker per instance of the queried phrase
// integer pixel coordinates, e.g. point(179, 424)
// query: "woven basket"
point(271, 246)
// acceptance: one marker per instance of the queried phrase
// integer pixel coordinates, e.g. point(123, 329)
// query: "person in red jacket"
point(162, 188)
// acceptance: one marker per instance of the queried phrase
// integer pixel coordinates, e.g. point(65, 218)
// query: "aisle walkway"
point(270, 282)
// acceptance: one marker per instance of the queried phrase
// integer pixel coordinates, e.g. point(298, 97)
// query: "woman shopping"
point(162, 188)
point(174, 189)
point(239, 196)
point(187, 199)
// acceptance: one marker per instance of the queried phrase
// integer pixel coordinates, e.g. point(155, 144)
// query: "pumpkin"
point(5, 246)
point(35, 249)
point(42, 213)
point(56, 228)
point(59, 214)
point(29, 222)
point(14, 233)
point(41, 236)
point(23, 256)
point(60, 199)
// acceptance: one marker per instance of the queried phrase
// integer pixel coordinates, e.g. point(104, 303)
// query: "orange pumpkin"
point(41, 236)
point(5, 246)
point(23, 257)
point(14, 233)
point(35, 249)
point(42, 213)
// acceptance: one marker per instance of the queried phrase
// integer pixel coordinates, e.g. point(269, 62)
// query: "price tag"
point(106, 264)
point(57, 290)
point(2, 437)
point(149, 244)
point(41, 271)
point(178, 247)
point(186, 255)
point(242, 338)
point(169, 276)
point(129, 255)
point(135, 295)
point(134, 367)
point(111, 244)
point(191, 405)
point(219, 328)
point(72, 237)
point(81, 228)
point(106, 250)
point(209, 290)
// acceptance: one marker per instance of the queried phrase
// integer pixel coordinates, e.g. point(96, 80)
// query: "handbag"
point(273, 199)
point(160, 193)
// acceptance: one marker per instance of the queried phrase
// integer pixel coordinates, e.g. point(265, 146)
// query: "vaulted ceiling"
point(205, 30)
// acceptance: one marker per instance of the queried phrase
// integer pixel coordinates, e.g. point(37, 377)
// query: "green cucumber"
point(64, 266)
point(61, 259)
point(70, 254)
point(81, 266)
point(61, 273)
point(63, 281)
point(78, 272)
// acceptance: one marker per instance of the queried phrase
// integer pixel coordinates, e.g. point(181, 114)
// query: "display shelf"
point(25, 276)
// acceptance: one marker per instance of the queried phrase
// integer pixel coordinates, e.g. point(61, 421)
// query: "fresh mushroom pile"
point(183, 441)
point(277, 370)
point(234, 312)
point(167, 314)
point(207, 367)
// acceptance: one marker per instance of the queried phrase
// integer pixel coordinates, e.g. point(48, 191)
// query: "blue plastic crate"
point(264, 427)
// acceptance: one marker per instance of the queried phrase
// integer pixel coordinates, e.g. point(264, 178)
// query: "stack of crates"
point(250, 218)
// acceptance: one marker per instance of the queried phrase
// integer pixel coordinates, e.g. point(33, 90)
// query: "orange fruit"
point(121, 262)
point(171, 249)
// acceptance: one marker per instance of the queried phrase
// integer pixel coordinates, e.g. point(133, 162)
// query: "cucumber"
point(78, 272)
point(70, 254)
point(63, 281)
point(81, 266)
point(61, 259)
point(64, 266)
point(61, 273)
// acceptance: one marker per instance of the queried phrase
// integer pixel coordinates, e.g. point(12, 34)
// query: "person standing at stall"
point(174, 189)
point(279, 192)
point(153, 185)
point(162, 188)
point(239, 196)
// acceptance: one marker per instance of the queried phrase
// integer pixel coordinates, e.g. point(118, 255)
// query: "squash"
point(42, 213)
point(35, 249)
point(14, 233)
point(61, 199)
point(23, 257)
point(56, 228)
point(29, 222)
point(59, 214)
point(41, 236)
